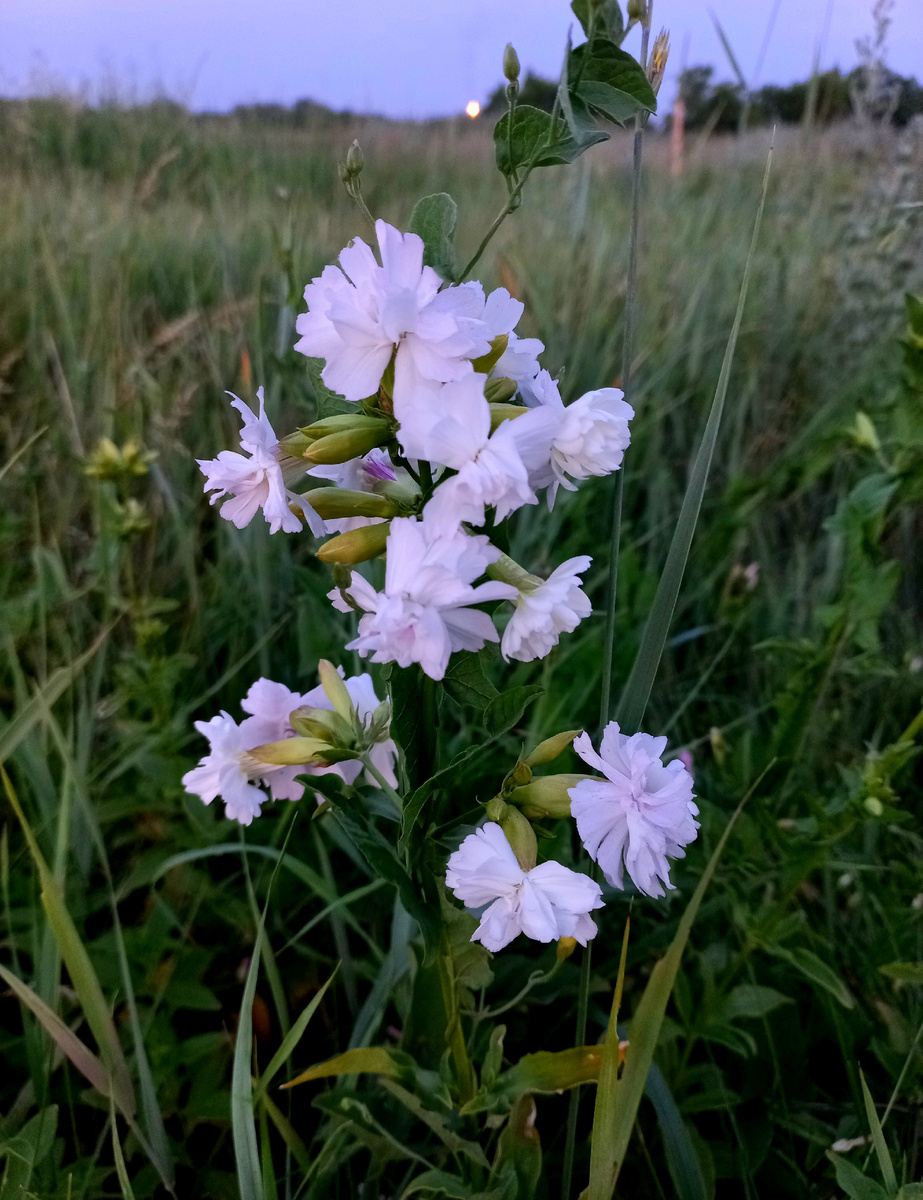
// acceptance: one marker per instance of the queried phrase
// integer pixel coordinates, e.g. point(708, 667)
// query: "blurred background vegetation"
point(150, 260)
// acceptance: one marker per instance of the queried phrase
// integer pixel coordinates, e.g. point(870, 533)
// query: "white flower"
point(230, 771)
point(501, 314)
point(557, 441)
point(450, 425)
point(640, 814)
point(255, 482)
point(547, 903)
point(554, 606)
point(359, 315)
point(424, 612)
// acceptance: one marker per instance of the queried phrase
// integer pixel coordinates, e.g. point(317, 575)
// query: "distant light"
point(472, 108)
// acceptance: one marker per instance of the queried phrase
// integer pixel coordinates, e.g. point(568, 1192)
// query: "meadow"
point(148, 262)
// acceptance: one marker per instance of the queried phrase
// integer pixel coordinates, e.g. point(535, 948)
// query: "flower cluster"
point(448, 424)
point(455, 424)
point(632, 818)
point(237, 769)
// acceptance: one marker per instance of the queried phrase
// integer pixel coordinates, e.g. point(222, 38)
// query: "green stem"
point(615, 526)
point(455, 1038)
point(383, 783)
point(509, 207)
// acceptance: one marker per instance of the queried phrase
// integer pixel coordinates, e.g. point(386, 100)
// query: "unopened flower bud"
point(548, 750)
point(292, 752)
point(344, 174)
point(486, 363)
point(496, 809)
point(657, 63)
point(521, 837)
point(342, 423)
point(498, 391)
point(874, 806)
point(351, 443)
point(510, 63)
point(328, 727)
point(520, 775)
point(293, 445)
point(507, 570)
point(354, 159)
point(333, 503)
point(335, 689)
point(359, 545)
point(637, 9)
point(566, 947)
point(547, 795)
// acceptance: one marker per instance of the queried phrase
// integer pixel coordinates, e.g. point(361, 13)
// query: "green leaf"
point(355, 821)
point(817, 971)
point(637, 690)
point(366, 1060)
point(611, 81)
point(434, 219)
point(440, 1183)
point(506, 710)
point(682, 1159)
point(451, 1140)
point(583, 129)
point(466, 682)
point(878, 1140)
point(644, 1033)
point(906, 972)
point(67, 1042)
point(243, 1122)
point(537, 140)
point(292, 1038)
point(79, 967)
point(546, 1071)
point(328, 404)
point(416, 803)
point(856, 1185)
point(751, 1000)
point(519, 1150)
point(609, 20)
point(120, 1168)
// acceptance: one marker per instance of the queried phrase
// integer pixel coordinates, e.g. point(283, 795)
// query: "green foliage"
point(434, 219)
point(128, 302)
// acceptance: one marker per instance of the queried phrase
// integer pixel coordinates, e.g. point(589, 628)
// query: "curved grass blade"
point(120, 1168)
point(637, 691)
point(291, 1040)
point(878, 1140)
point(243, 1123)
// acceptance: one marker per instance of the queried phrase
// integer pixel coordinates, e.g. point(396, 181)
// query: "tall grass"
point(148, 262)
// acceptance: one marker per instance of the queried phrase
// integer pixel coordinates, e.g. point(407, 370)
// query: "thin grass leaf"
point(120, 1169)
point(79, 967)
point(31, 713)
point(291, 1040)
point(287, 1132)
point(732, 58)
point(644, 1033)
point(878, 1139)
point(243, 1122)
point(637, 691)
point(682, 1159)
point(270, 1187)
point(604, 1115)
point(79, 1054)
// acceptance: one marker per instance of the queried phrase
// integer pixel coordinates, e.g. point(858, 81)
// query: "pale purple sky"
point(403, 58)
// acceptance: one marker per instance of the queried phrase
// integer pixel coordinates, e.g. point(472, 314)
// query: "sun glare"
point(472, 108)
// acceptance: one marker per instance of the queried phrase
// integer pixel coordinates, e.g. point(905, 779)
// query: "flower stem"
point(382, 782)
point(615, 528)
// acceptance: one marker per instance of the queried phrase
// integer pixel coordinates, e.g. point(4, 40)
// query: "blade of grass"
point(644, 1033)
point(637, 690)
point(80, 968)
point(291, 1039)
point(120, 1169)
point(878, 1139)
point(604, 1115)
point(79, 1054)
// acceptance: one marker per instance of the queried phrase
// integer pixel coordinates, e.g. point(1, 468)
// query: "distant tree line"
point(719, 106)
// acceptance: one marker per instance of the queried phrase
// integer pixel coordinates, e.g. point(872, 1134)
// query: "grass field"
point(149, 262)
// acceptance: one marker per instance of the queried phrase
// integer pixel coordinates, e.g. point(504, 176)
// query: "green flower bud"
point(351, 443)
point(342, 423)
point(548, 750)
point(333, 503)
point(520, 775)
point(510, 63)
point(566, 947)
point(293, 445)
point(486, 363)
point(359, 545)
point(292, 752)
point(496, 809)
point(335, 689)
point(547, 795)
point(637, 10)
point(498, 391)
point(521, 837)
point(354, 160)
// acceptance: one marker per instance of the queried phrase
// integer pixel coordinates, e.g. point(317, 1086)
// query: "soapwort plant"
point(437, 424)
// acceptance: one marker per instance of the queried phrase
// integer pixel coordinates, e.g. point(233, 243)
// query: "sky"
point(400, 58)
